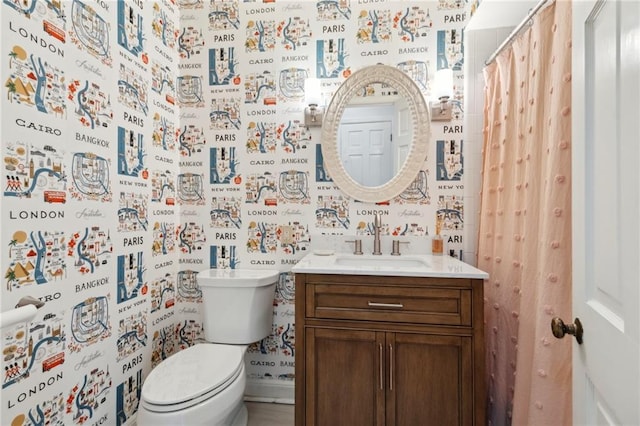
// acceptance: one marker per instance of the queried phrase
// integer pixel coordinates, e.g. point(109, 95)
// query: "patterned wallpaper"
point(144, 141)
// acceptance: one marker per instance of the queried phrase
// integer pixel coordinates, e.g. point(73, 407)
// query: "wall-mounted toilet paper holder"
point(24, 311)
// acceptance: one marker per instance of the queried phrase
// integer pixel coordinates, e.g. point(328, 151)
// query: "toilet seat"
point(191, 376)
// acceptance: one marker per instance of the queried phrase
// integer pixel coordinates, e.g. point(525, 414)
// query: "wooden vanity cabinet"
point(377, 350)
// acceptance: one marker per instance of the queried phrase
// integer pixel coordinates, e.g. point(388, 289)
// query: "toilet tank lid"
point(237, 277)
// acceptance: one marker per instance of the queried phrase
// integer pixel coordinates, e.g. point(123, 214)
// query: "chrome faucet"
point(377, 224)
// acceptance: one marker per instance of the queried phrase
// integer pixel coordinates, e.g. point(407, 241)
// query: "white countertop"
point(406, 265)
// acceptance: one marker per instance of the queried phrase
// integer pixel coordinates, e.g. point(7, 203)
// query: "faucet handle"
point(395, 246)
point(357, 247)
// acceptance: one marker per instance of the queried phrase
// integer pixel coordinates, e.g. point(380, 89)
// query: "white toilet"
point(204, 384)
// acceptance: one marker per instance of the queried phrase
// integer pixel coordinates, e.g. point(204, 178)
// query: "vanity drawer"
point(420, 305)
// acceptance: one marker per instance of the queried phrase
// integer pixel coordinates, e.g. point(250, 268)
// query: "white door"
point(365, 149)
point(403, 136)
point(606, 211)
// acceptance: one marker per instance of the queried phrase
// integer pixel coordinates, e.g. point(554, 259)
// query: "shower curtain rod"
point(515, 32)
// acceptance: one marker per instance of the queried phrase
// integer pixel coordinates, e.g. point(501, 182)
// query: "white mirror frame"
point(420, 118)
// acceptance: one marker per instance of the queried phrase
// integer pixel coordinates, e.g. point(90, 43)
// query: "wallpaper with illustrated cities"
point(145, 141)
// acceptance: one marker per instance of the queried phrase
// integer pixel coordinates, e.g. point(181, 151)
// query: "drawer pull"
point(385, 305)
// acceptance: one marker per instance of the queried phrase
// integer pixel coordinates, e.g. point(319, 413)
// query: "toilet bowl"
point(204, 384)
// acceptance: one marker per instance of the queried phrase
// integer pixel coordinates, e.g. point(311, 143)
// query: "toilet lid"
point(191, 373)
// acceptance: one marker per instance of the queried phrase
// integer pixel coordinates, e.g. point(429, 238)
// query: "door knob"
point(559, 329)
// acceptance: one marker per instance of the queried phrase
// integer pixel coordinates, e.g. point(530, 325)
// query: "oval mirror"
point(375, 133)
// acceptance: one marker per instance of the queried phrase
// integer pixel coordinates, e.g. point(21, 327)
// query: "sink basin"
point(381, 261)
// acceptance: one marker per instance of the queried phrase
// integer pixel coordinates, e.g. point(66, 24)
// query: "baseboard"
point(277, 391)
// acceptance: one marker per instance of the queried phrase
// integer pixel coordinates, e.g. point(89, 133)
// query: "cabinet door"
point(344, 377)
point(430, 380)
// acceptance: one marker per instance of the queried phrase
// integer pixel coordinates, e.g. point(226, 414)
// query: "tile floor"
point(269, 414)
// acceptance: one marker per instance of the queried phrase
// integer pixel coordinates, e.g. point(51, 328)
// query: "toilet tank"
point(237, 304)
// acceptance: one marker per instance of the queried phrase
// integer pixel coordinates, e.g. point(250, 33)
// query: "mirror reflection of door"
point(404, 134)
point(366, 143)
point(366, 152)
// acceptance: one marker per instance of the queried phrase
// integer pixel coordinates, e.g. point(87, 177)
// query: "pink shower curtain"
point(524, 239)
